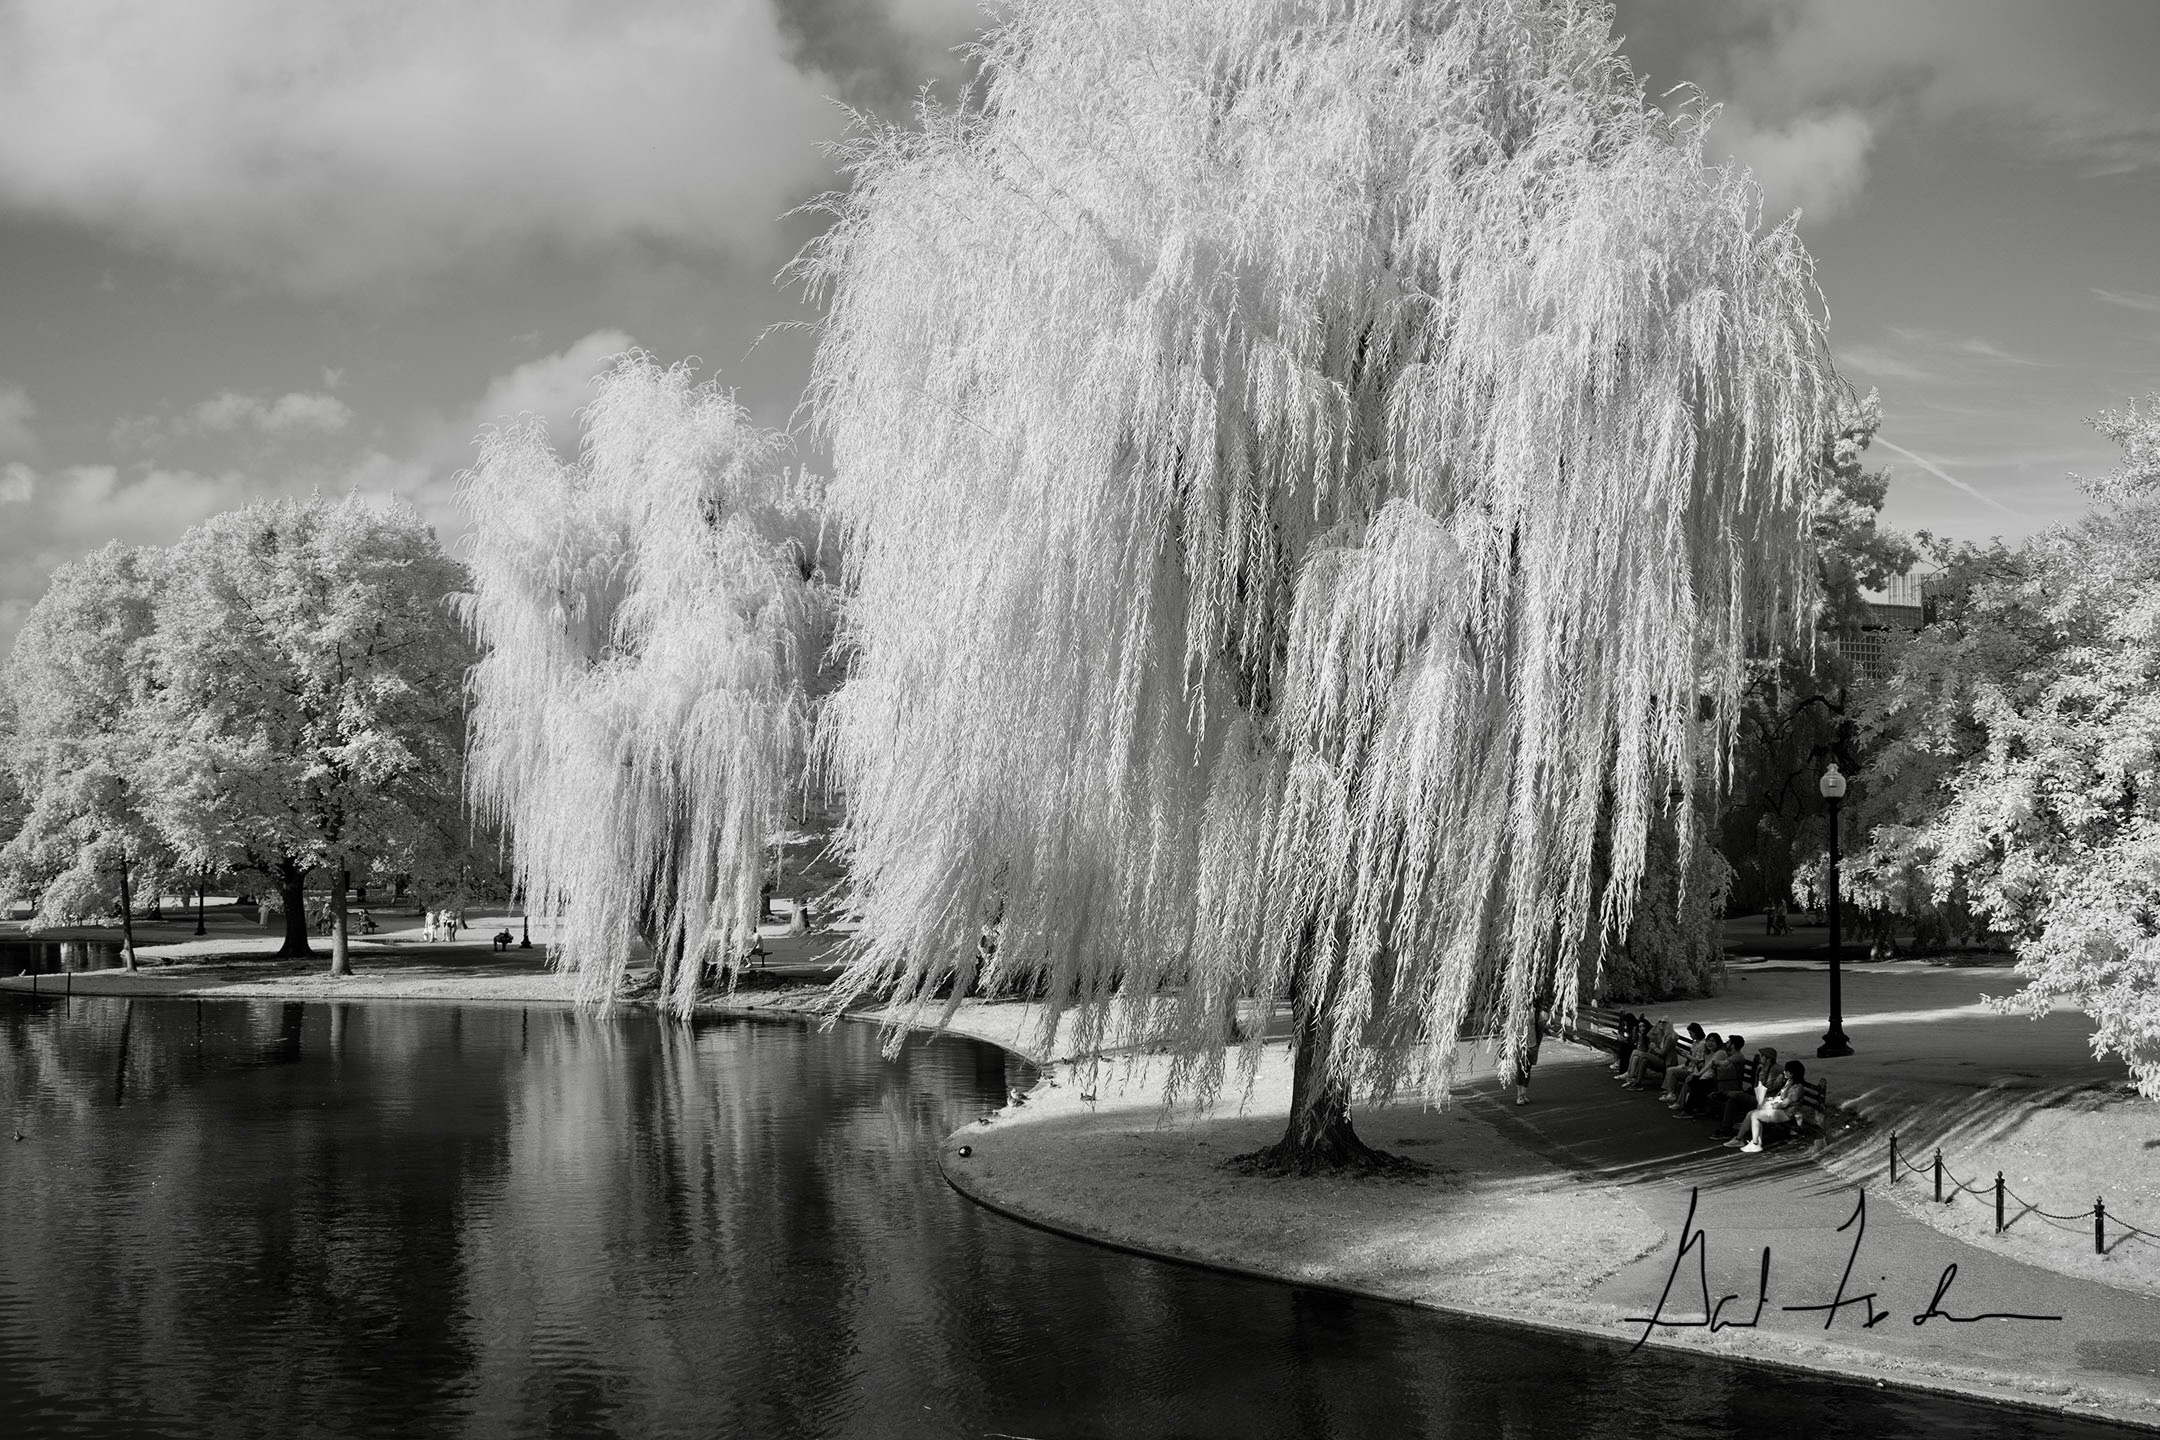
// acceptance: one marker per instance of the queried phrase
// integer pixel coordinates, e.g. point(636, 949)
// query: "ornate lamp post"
point(1834, 1041)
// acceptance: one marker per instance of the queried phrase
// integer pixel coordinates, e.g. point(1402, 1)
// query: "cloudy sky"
point(257, 247)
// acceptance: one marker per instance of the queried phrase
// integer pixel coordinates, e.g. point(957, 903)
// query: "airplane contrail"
point(1946, 477)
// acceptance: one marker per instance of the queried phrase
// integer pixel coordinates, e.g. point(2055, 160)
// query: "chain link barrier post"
point(2002, 1197)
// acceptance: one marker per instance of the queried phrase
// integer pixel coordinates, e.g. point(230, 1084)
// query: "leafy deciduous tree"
point(79, 739)
point(312, 687)
point(2020, 747)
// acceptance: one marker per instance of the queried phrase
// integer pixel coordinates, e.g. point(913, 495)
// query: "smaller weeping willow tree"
point(650, 613)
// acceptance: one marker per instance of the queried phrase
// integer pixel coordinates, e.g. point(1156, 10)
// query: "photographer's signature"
point(1714, 1315)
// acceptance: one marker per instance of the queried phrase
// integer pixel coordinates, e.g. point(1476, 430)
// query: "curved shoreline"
point(1974, 1392)
point(1005, 1024)
point(2033, 1390)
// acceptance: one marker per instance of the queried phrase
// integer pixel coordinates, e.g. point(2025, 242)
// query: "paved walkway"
point(1780, 1205)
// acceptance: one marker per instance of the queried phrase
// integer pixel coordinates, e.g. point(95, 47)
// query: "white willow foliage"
point(1301, 461)
point(649, 614)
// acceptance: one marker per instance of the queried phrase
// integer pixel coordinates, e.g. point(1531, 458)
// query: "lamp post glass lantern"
point(1834, 1041)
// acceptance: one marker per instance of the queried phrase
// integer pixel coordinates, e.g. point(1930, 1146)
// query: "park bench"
point(1809, 1119)
point(1817, 1093)
point(1614, 1029)
point(1619, 1027)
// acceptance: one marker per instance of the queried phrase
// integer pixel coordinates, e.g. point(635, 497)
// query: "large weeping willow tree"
point(1308, 468)
point(650, 612)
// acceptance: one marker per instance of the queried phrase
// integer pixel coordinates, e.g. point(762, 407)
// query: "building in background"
point(1894, 613)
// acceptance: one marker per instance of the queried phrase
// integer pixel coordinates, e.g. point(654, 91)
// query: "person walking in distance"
point(1528, 1056)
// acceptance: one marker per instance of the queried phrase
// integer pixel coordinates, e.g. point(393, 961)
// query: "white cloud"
point(1816, 164)
point(321, 145)
point(231, 412)
point(2067, 82)
point(2130, 300)
point(1881, 364)
point(1919, 356)
point(297, 411)
point(139, 432)
point(1946, 343)
point(16, 413)
point(554, 388)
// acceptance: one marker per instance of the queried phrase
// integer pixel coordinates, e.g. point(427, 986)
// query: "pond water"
point(51, 957)
point(270, 1219)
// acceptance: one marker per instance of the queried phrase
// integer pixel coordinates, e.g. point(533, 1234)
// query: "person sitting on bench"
point(1778, 1110)
point(1680, 1072)
point(1732, 1109)
point(1635, 1031)
point(1652, 1058)
point(503, 939)
point(1649, 1040)
point(1720, 1073)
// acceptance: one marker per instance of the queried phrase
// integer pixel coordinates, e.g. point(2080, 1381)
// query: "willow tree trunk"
point(1319, 1136)
point(340, 956)
point(127, 919)
point(292, 888)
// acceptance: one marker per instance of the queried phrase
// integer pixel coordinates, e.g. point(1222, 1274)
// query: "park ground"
point(1568, 1212)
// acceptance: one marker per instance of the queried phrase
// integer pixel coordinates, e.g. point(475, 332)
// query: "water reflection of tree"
point(722, 1224)
point(209, 1246)
point(77, 1054)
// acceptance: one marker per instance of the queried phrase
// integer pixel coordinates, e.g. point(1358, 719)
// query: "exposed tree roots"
point(1334, 1150)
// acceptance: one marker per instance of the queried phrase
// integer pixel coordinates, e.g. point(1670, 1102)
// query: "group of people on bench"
point(1708, 1074)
